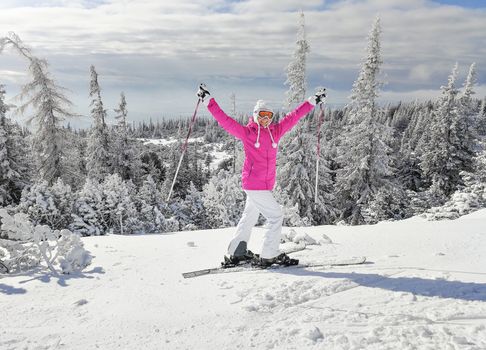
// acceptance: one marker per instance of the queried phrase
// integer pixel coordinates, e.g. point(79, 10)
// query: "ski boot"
point(282, 259)
point(240, 256)
point(233, 260)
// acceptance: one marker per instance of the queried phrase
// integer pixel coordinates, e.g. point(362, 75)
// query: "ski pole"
point(319, 122)
point(184, 148)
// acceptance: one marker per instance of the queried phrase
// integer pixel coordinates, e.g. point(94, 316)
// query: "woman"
point(260, 141)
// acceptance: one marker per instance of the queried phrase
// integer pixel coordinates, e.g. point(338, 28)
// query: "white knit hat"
point(261, 105)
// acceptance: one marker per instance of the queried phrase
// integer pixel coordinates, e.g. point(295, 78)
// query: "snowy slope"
point(424, 288)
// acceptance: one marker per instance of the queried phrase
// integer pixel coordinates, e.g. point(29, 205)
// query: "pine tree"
point(297, 171)
point(149, 203)
point(447, 150)
point(191, 212)
point(290, 209)
point(296, 70)
point(120, 211)
point(10, 171)
point(48, 205)
point(364, 151)
point(121, 148)
point(125, 162)
point(482, 118)
point(223, 199)
point(50, 106)
point(88, 219)
point(151, 164)
point(75, 163)
point(408, 160)
point(325, 211)
point(99, 163)
point(466, 133)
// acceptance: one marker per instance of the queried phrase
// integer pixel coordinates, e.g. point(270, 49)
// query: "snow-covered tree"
point(364, 151)
point(408, 155)
point(41, 243)
point(50, 205)
point(149, 202)
point(482, 118)
point(10, 167)
point(290, 209)
point(119, 208)
point(190, 211)
point(469, 197)
point(75, 163)
point(88, 218)
point(416, 132)
point(296, 175)
point(190, 170)
point(99, 162)
point(468, 91)
point(296, 70)
point(223, 199)
point(448, 147)
point(152, 164)
point(466, 134)
point(387, 204)
point(123, 155)
point(50, 106)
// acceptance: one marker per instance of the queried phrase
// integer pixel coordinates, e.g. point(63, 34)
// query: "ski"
point(247, 267)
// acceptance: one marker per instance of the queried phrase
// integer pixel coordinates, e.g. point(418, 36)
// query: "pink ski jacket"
point(260, 144)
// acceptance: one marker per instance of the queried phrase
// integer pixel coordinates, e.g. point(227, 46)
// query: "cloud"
point(15, 77)
point(153, 50)
point(271, 6)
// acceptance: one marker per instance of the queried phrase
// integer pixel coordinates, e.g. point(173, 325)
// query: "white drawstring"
point(257, 143)
point(274, 145)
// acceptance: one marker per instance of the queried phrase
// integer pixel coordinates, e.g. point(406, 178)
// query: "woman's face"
point(265, 118)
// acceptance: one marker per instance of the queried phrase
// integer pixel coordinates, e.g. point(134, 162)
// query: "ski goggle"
point(265, 114)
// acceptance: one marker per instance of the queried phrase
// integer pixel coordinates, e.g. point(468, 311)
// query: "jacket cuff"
point(207, 101)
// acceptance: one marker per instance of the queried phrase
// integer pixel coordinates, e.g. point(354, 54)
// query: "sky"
point(158, 51)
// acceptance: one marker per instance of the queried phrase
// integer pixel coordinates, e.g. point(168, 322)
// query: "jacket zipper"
point(266, 176)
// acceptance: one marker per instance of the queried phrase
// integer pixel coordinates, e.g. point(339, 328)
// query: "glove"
point(319, 97)
point(203, 93)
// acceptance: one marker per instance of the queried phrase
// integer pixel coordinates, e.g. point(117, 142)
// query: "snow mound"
point(314, 334)
point(293, 236)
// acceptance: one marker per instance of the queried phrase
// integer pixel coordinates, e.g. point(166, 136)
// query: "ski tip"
point(196, 273)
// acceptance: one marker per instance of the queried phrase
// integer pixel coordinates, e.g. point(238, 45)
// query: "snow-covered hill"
point(423, 288)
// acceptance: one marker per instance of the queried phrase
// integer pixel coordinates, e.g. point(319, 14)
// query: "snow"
point(218, 157)
point(424, 287)
point(170, 140)
point(218, 154)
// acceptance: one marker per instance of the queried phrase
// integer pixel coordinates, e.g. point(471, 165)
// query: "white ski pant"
point(260, 202)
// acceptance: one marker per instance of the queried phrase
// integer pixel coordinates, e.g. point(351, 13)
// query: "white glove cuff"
point(313, 100)
point(206, 100)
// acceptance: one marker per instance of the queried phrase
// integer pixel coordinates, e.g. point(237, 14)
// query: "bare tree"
point(50, 107)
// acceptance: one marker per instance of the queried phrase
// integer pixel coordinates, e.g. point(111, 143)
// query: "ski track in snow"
point(388, 320)
point(424, 288)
